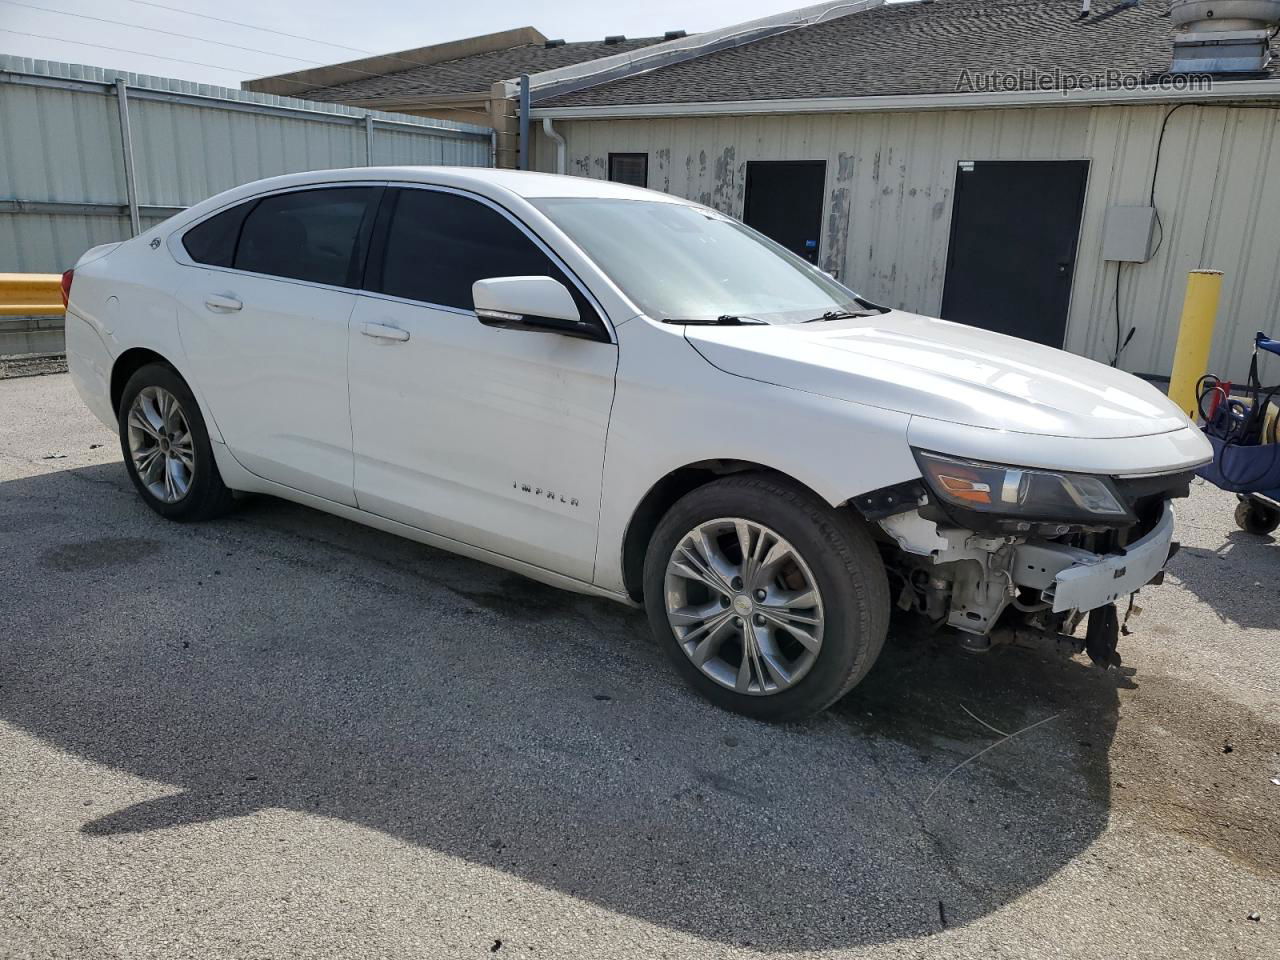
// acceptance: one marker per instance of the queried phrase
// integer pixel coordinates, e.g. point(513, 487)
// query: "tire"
point(204, 495)
point(833, 552)
point(1258, 518)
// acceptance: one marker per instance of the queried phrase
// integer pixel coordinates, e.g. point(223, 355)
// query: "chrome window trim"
point(179, 252)
point(443, 308)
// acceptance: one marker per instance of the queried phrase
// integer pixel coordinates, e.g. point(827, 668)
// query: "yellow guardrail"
point(31, 295)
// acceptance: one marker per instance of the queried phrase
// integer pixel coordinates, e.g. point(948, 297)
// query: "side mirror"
point(529, 303)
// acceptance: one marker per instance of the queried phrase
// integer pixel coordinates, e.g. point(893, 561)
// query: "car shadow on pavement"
point(1236, 579)
point(281, 658)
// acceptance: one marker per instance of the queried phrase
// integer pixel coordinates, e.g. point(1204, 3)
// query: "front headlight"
point(1036, 496)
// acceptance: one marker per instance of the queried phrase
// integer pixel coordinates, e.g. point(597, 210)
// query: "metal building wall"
point(890, 178)
point(62, 181)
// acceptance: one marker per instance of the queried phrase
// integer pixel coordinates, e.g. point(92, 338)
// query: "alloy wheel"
point(744, 606)
point(161, 445)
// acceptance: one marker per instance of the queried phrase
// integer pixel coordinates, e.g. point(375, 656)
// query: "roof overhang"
point(316, 78)
point(1225, 91)
point(579, 76)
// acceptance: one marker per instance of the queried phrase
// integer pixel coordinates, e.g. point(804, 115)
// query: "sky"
point(225, 54)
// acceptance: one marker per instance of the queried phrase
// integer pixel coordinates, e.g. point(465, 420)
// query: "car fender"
point(123, 300)
point(672, 409)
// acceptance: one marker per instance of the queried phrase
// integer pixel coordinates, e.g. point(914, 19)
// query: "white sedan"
point(630, 395)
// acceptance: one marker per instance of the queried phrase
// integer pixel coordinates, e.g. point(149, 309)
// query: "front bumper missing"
point(1075, 579)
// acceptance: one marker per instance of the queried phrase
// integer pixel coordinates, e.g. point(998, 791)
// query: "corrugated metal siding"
point(41, 159)
point(890, 178)
point(63, 145)
point(183, 153)
point(407, 147)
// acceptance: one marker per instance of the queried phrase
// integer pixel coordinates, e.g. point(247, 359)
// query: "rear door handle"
point(383, 331)
point(222, 304)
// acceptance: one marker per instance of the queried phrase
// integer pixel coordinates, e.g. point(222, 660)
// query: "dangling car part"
point(1031, 551)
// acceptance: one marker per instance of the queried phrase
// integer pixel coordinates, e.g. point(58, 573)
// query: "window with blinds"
point(629, 168)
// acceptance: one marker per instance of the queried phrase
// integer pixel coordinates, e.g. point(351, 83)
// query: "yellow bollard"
point(1195, 336)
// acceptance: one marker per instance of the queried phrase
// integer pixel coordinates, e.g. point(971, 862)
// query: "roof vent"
point(1222, 36)
point(675, 34)
point(618, 38)
point(553, 43)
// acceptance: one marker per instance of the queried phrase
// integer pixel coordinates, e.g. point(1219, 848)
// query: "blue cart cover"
point(1242, 468)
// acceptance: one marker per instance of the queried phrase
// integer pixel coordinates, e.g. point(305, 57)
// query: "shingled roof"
point(936, 47)
point(474, 73)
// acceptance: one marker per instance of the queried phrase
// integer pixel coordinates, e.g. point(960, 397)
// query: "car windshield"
point(678, 262)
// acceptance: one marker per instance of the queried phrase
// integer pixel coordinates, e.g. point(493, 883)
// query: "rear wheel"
point(166, 447)
point(768, 602)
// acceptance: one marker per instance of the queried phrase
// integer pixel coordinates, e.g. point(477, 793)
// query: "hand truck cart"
point(1243, 424)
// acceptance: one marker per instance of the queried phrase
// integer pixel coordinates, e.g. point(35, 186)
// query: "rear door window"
point(438, 244)
point(312, 235)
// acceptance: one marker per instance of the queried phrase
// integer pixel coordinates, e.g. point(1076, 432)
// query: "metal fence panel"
point(63, 187)
point(396, 146)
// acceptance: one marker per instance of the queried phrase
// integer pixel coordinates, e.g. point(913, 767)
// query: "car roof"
point(482, 180)
point(495, 184)
point(523, 183)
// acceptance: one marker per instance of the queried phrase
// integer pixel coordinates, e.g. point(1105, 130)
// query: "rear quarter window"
point(213, 242)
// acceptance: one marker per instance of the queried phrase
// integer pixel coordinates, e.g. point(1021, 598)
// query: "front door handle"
point(222, 304)
point(383, 331)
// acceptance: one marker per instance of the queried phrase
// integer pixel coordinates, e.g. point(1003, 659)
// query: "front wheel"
point(166, 447)
point(769, 602)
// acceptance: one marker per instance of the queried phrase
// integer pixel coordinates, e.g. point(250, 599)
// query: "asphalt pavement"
point(285, 735)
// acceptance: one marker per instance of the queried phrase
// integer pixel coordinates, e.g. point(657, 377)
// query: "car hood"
point(947, 371)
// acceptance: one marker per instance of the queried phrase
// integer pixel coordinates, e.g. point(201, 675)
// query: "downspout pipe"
point(524, 122)
point(561, 147)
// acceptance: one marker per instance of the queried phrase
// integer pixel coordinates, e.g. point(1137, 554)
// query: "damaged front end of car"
point(1001, 553)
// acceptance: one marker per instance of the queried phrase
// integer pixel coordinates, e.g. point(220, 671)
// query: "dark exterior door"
point(784, 202)
point(1014, 228)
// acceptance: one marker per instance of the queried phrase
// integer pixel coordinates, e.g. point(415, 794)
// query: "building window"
point(629, 168)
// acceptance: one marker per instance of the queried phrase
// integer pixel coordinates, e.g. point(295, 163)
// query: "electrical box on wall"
point(1128, 234)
